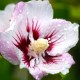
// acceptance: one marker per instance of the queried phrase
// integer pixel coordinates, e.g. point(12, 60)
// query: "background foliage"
point(66, 9)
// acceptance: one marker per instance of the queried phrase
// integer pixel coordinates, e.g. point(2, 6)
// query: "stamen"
point(39, 45)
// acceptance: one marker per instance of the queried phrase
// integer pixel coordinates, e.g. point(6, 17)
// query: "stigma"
point(39, 45)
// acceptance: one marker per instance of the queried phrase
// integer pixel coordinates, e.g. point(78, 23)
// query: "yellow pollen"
point(39, 45)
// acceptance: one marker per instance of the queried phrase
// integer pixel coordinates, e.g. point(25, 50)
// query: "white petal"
point(37, 73)
point(66, 36)
point(5, 16)
point(62, 64)
point(8, 50)
point(38, 10)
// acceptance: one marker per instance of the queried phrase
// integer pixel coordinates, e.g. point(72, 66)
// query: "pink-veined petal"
point(15, 40)
point(31, 66)
point(61, 64)
point(5, 16)
point(19, 38)
point(37, 73)
point(62, 35)
point(32, 12)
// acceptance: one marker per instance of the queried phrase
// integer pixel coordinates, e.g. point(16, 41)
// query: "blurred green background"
point(66, 9)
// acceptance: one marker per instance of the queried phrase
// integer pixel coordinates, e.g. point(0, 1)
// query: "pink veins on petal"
point(51, 59)
point(23, 45)
point(35, 29)
point(51, 36)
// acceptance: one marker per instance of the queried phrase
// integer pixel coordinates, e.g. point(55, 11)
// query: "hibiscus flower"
point(31, 38)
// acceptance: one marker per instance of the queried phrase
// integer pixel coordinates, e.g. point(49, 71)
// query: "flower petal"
point(18, 9)
point(62, 35)
point(18, 37)
point(61, 64)
point(33, 69)
point(8, 50)
point(5, 16)
point(32, 12)
point(37, 73)
point(40, 10)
